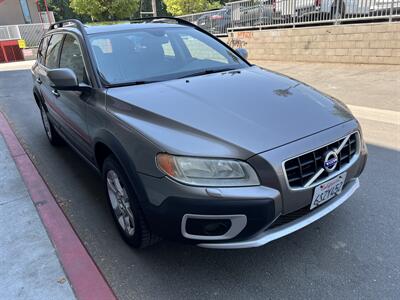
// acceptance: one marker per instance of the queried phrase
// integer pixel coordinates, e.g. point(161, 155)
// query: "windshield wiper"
point(207, 71)
point(138, 82)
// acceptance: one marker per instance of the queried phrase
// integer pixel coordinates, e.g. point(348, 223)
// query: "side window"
point(200, 50)
point(53, 50)
point(42, 50)
point(71, 57)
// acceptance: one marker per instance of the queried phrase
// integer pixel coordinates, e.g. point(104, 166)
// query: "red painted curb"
point(83, 274)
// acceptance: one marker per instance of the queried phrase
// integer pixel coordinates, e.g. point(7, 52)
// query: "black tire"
point(141, 237)
point(54, 138)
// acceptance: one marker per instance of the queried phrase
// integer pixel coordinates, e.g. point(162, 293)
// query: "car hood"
point(231, 114)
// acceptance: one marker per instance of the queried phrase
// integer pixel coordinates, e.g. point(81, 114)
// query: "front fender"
point(129, 167)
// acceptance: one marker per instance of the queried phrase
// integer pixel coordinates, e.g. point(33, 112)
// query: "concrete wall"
point(376, 43)
point(11, 12)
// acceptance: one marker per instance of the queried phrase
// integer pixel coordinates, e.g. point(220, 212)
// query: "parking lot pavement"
point(352, 253)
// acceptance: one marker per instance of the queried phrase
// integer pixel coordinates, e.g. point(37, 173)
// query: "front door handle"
point(38, 80)
point(55, 93)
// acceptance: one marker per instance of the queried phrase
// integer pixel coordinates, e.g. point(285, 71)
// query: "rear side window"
point(71, 57)
point(53, 50)
point(42, 50)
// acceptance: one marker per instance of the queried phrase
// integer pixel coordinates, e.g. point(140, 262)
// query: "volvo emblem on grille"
point(330, 161)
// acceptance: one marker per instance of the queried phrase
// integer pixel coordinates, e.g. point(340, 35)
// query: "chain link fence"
point(249, 14)
point(31, 33)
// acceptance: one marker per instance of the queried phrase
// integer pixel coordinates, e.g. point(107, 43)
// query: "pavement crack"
point(13, 200)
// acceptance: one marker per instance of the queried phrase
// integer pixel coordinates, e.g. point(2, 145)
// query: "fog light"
point(206, 227)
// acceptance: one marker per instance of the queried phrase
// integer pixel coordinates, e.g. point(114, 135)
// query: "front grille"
point(301, 169)
point(284, 219)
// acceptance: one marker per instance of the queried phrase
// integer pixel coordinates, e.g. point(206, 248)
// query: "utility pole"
point(154, 6)
point(47, 11)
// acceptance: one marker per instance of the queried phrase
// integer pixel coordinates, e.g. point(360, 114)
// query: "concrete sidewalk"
point(41, 256)
point(30, 268)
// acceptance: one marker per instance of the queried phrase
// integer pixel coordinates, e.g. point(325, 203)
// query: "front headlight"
point(207, 171)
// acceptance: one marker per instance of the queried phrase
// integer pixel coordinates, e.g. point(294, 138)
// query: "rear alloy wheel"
point(54, 138)
point(125, 207)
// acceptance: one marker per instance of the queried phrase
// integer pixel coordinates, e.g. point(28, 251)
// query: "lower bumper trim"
point(281, 231)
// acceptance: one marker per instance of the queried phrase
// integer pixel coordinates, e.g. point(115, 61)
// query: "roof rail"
point(79, 25)
point(163, 20)
point(169, 20)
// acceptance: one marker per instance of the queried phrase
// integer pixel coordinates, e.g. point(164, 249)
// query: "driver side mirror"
point(242, 52)
point(63, 79)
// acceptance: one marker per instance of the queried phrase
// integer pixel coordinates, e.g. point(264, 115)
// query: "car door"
point(71, 105)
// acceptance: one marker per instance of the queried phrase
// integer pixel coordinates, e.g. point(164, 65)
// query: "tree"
point(105, 10)
point(147, 6)
point(61, 10)
point(183, 7)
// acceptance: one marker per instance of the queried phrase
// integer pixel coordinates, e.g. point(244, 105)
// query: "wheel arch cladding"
point(106, 144)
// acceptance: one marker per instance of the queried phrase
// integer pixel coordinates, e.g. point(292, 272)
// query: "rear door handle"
point(55, 93)
point(38, 80)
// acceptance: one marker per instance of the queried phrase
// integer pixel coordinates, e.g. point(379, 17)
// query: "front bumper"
point(181, 202)
point(270, 235)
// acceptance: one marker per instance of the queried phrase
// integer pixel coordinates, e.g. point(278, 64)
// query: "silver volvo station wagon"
point(194, 143)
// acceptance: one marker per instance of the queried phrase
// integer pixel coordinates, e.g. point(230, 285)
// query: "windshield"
point(157, 54)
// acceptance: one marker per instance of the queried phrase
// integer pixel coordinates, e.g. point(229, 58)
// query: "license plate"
point(327, 190)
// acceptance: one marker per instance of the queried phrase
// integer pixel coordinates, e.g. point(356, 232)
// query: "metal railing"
point(31, 33)
point(248, 14)
point(214, 21)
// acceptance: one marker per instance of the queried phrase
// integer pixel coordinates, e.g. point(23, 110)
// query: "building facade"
point(14, 12)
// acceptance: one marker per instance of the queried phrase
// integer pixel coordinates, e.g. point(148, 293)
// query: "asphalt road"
point(351, 253)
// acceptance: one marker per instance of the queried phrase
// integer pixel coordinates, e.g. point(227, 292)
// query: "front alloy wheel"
point(124, 204)
point(120, 203)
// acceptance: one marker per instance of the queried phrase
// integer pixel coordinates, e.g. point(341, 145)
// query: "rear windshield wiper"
point(206, 71)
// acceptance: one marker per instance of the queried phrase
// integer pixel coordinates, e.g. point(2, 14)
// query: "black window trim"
point(39, 52)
